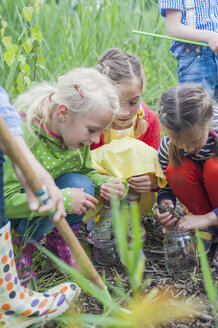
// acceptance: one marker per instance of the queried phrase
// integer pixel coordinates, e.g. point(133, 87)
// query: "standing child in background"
point(195, 20)
point(20, 307)
point(188, 155)
point(128, 149)
point(60, 123)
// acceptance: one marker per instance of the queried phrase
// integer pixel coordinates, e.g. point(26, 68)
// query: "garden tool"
point(160, 36)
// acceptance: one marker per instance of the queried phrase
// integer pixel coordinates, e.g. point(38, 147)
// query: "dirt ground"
point(155, 269)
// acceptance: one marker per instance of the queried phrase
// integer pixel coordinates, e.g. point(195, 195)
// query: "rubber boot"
point(24, 262)
point(56, 244)
point(19, 306)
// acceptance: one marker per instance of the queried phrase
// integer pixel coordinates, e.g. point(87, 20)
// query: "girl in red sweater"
point(128, 148)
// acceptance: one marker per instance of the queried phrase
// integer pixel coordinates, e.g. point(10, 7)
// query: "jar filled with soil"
point(104, 249)
point(180, 253)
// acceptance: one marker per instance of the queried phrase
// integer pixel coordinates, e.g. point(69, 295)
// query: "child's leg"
point(37, 227)
point(215, 258)
point(210, 176)
point(187, 184)
point(20, 307)
point(54, 241)
point(3, 219)
point(198, 65)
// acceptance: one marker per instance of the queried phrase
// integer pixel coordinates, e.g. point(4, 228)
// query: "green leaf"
point(27, 81)
point(22, 59)
point(28, 13)
point(208, 280)
point(28, 45)
point(9, 55)
point(40, 60)
point(4, 24)
point(25, 68)
point(36, 34)
point(6, 40)
point(20, 82)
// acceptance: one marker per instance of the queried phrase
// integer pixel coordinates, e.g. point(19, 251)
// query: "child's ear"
point(62, 112)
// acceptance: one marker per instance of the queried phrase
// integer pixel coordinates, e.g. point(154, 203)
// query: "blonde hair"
point(81, 89)
point(121, 67)
point(182, 107)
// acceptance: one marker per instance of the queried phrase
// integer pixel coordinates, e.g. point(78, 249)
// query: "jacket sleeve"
point(16, 204)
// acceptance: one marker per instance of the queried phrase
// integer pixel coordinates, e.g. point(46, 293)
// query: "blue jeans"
point(3, 219)
point(199, 68)
point(38, 226)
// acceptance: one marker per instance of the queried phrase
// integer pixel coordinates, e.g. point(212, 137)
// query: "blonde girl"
point(60, 122)
point(188, 155)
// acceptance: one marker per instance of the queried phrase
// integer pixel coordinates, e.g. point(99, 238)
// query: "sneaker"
point(215, 258)
point(208, 237)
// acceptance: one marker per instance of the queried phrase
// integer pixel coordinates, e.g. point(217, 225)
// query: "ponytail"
point(36, 102)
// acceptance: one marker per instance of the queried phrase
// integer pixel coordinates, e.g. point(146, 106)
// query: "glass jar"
point(104, 249)
point(180, 253)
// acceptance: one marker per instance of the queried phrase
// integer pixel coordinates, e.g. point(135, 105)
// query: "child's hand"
point(81, 200)
point(189, 222)
point(166, 219)
point(113, 187)
point(143, 183)
point(213, 41)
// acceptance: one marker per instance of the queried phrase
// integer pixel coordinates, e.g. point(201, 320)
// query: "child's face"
point(85, 129)
point(192, 141)
point(130, 98)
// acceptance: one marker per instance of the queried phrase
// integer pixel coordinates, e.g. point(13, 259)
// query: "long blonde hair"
point(81, 89)
point(180, 108)
point(121, 67)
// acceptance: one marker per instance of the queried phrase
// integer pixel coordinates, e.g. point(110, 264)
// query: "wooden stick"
point(170, 38)
point(16, 154)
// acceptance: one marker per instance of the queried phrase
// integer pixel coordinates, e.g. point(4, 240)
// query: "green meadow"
point(76, 33)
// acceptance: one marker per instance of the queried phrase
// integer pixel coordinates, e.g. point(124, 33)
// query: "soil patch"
point(155, 270)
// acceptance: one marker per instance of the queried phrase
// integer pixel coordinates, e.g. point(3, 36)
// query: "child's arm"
point(143, 183)
point(166, 219)
point(177, 29)
point(189, 222)
point(56, 199)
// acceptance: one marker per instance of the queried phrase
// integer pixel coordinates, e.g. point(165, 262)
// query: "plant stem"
point(170, 38)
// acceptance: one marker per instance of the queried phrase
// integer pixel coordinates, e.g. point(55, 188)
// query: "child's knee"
point(87, 185)
point(210, 169)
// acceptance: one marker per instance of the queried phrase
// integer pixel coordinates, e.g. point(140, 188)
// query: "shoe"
point(24, 262)
point(215, 258)
point(208, 236)
point(19, 306)
point(103, 229)
point(56, 244)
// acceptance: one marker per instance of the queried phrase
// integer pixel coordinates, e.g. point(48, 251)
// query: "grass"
point(76, 33)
